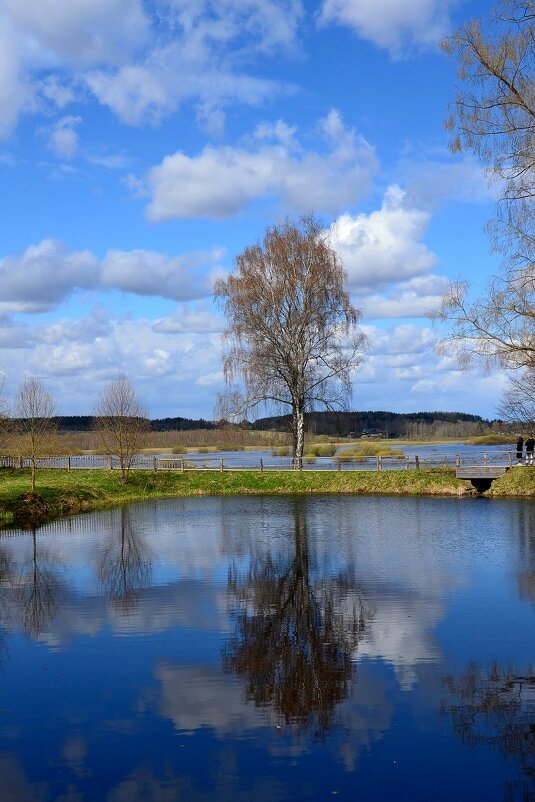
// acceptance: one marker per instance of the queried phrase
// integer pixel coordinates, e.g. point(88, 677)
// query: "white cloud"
point(384, 246)
point(222, 181)
point(199, 319)
point(391, 24)
point(151, 273)
point(43, 276)
point(64, 137)
point(201, 58)
point(15, 93)
point(46, 274)
point(414, 298)
point(432, 181)
point(82, 32)
point(139, 59)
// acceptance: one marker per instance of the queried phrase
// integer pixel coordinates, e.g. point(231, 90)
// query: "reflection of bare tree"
point(6, 581)
point(125, 566)
point(39, 590)
point(525, 526)
point(496, 707)
point(295, 634)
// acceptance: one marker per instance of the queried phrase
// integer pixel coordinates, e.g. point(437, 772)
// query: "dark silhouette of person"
point(530, 446)
point(519, 449)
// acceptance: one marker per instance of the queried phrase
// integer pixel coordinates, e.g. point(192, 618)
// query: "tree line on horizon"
point(391, 424)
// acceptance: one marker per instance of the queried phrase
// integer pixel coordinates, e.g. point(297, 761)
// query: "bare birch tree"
point(494, 117)
point(33, 423)
point(121, 423)
point(291, 332)
point(517, 406)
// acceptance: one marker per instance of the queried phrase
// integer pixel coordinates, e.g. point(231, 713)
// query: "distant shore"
point(61, 492)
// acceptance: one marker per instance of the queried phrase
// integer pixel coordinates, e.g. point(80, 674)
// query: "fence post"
point(69, 462)
point(111, 463)
point(484, 458)
point(222, 469)
point(380, 460)
point(20, 462)
point(417, 462)
point(181, 466)
point(406, 462)
point(378, 466)
point(510, 459)
point(457, 460)
point(261, 464)
point(339, 464)
point(155, 463)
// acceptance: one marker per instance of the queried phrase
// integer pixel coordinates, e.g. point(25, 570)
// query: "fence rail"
point(267, 462)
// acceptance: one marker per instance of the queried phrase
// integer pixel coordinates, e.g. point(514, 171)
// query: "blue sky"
point(143, 145)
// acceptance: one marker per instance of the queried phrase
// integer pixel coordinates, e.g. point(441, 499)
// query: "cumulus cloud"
point(84, 32)
point(152, 273)
point(222, 181)
point(43, 276)
point(189, 318)
point(384, 246)
point(390, 24)
point(140, 60)
point(15, 92)
point(201, 59)
point(46, 274)
point(63, 137)
point(40, 42)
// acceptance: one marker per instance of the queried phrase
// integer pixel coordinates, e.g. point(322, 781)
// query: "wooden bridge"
point(481, 476)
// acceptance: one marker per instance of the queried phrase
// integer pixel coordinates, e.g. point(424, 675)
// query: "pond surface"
point(351, 648)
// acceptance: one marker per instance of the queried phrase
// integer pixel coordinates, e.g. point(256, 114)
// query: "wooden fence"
point(339, 462)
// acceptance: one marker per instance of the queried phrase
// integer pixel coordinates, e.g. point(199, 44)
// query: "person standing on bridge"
point(519, 449)
point(530, 446)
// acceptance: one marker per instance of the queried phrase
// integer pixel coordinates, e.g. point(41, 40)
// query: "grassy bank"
point(67, 492)
point(516, 482)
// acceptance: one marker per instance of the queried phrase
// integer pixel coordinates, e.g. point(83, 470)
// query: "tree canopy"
point(291, 332)
point(494, 116)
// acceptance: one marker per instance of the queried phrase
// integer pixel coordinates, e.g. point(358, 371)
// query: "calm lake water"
point(351, 648)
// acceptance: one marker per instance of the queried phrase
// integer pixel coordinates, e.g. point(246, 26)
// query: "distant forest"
point(83, 423)
point(385, 424)
point(340, 424)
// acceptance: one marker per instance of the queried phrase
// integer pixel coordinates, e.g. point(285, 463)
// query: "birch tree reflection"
point(496, 707)
point(295, 634)
point(6, 583)
point(124, 567)
point(39, 590)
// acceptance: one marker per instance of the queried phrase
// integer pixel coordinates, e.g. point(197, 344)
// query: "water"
point(271, 649)
point(434, 453)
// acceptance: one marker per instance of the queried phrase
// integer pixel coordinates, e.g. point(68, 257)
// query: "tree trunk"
point(33, 475)
point(299, 427)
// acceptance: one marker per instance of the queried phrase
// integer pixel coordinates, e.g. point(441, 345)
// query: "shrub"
point(323, 450)
point(280, 451)
point(179, 450)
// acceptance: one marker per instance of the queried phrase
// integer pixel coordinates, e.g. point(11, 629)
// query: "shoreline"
point(61, 492)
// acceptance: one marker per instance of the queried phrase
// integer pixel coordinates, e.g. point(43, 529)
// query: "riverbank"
point(67, 492)
point(63, 492)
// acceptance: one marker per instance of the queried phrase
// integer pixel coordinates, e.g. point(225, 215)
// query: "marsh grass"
point(492, 440)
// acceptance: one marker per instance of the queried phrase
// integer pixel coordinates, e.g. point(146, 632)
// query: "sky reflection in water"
point(271, 649)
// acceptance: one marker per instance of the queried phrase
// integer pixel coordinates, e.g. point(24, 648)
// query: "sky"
point(144, 145)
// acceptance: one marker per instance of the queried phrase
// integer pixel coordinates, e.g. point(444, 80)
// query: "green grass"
point(68, 492)
point(516, 482)
point(492, 440)
point(322, 450)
